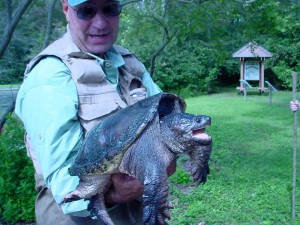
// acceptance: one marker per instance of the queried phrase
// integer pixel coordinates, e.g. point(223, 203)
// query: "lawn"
point(251, 164)
point(9, 86)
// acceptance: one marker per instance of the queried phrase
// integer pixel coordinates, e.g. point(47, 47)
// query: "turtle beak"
point(200, 134)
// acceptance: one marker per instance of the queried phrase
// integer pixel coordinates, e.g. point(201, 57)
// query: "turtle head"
point(183, 131)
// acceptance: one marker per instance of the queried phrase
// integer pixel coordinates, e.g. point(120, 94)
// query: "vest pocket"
point(95, 111)
point(94, 108)
point(137, 94)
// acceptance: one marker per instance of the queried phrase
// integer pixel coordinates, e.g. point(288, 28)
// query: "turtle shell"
point(105, 145)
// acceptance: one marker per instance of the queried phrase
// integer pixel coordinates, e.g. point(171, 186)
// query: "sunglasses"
point(88, 12)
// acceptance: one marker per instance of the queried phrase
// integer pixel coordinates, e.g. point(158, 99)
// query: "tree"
point(50, 5)
point(12, 19)
point(172, 37)
point(204, 34)
point(185, 44)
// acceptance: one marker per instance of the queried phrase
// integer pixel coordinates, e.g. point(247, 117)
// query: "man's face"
point(96, 34)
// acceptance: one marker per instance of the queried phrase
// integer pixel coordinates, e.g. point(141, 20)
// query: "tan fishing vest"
point(97, 96)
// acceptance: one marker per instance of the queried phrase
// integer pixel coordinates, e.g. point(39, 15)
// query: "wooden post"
point(242, 76)
point(270, 95)
point(262, 75)
point(294, 75)
point(245, 91)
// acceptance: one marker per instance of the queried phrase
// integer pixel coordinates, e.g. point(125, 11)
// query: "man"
point(68, 88)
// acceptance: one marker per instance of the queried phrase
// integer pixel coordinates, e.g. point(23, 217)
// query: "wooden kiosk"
point(252, 57)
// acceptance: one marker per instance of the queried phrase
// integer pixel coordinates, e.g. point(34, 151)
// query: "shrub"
point(17, 192)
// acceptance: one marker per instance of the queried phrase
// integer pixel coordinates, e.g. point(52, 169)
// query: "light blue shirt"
point(47, 103)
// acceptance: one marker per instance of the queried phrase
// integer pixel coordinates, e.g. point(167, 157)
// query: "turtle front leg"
point(155, 197)
point(147, 161)
point(199, 168)
point(152, 174)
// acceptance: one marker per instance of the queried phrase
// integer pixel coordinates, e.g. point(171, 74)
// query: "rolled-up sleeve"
point(152, 88)
point(47, 104)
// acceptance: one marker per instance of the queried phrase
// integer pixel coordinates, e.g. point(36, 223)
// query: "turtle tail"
point(97, 208)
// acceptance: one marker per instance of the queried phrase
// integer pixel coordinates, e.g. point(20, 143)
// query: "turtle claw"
point(152, 217)
point(200, 175)
point(166, 213)
point(71, 197)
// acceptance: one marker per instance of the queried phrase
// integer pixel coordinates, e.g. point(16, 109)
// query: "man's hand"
point(125, 188)
point(294, 105)
point(172, 168)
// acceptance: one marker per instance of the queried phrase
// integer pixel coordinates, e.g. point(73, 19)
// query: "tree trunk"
point(156, 53)
point(50, 7)
point(166, 37)
point(12, 20)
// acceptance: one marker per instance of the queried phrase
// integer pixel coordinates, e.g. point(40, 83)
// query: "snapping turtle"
point(141, 141)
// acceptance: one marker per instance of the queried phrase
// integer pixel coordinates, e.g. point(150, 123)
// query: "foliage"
point(251, 163)
point(187, 72)
point(186, 44)
point(199, 55)
point(27, 40)
point(17, 192)
point(285, 43)
point(181, 176)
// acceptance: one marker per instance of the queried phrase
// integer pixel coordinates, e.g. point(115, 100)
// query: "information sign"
point(252, 70)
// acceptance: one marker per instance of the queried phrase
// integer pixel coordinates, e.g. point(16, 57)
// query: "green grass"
point(10, 85)
point(251, 164)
